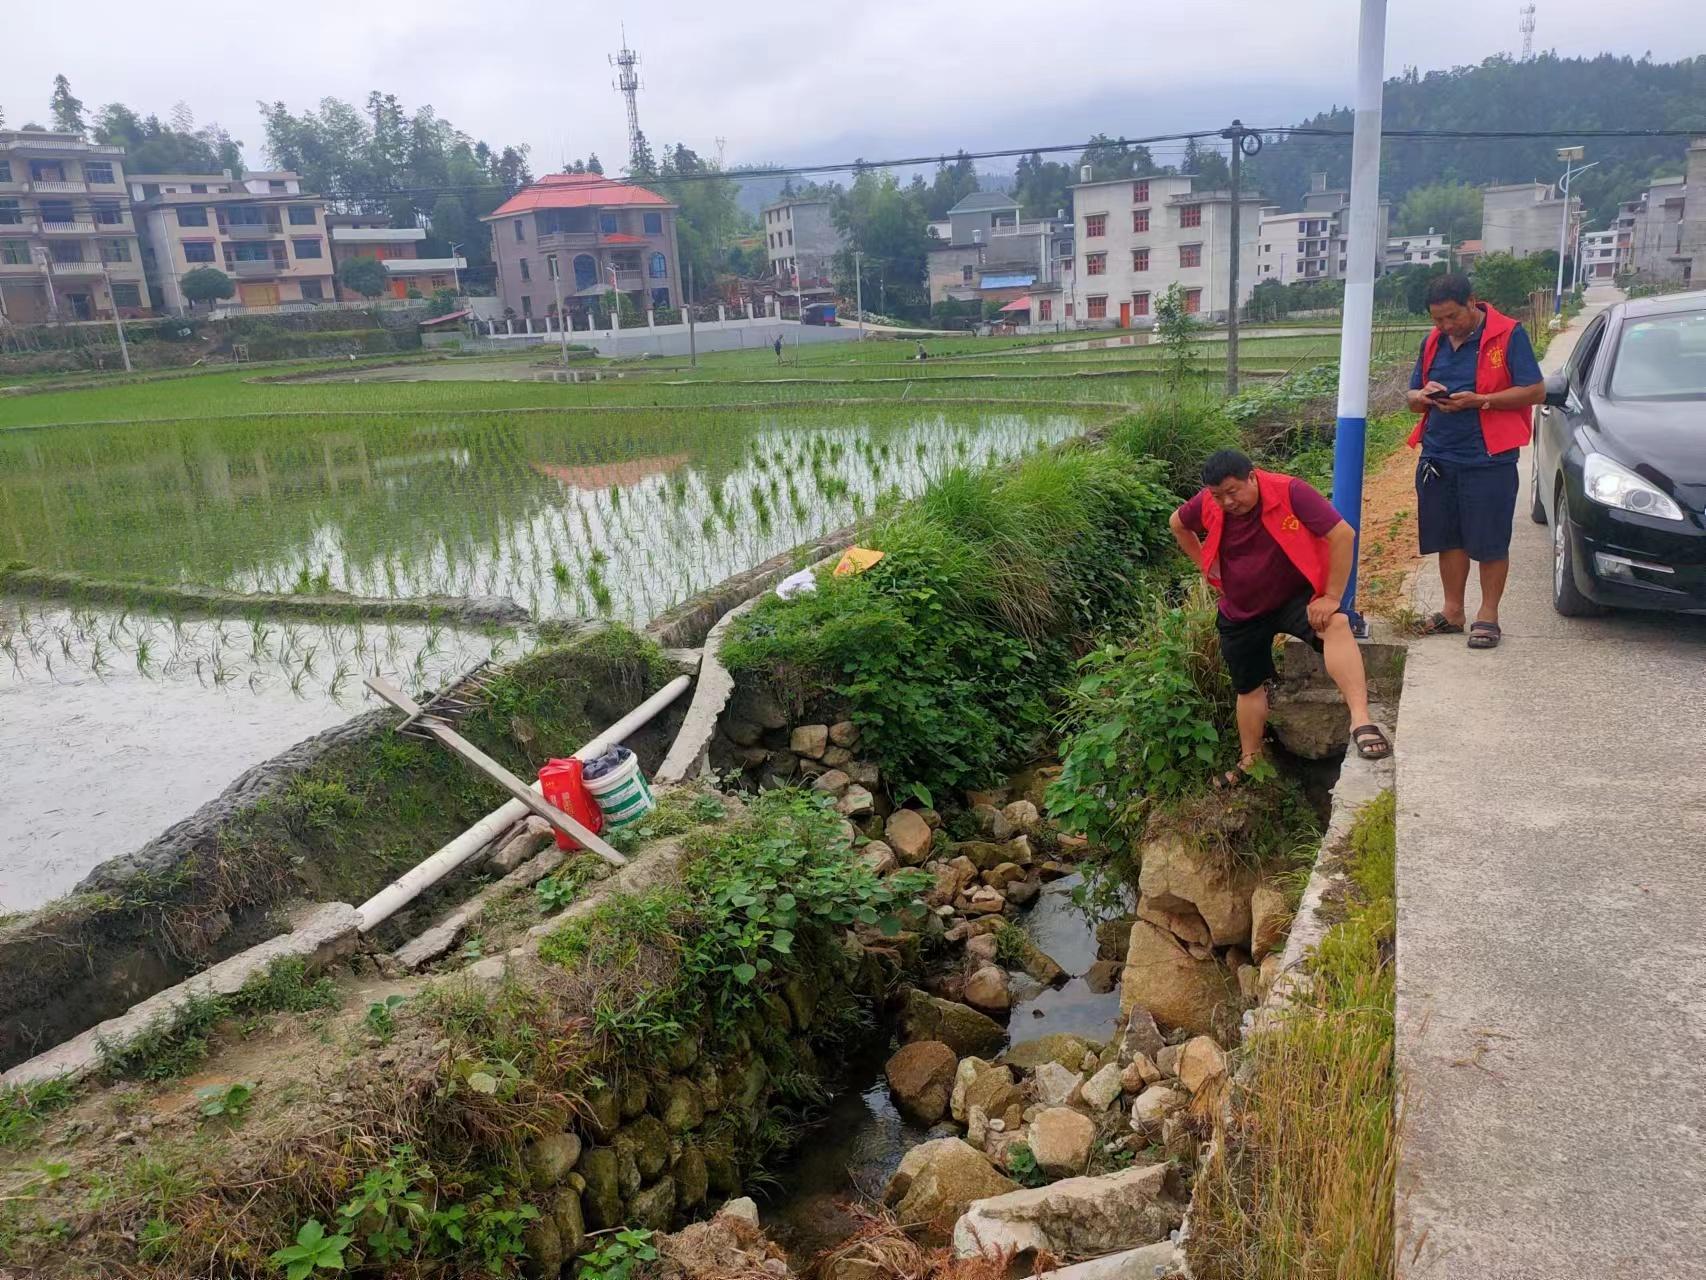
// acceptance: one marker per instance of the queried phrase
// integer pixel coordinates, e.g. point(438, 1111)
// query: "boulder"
point(550, 1158)
point(981, 948)
point(855, 802)
point(1052, 1084)
point(1270, 971)
point(984, 901)
point(632, 1094)
point(1186, 925)
point(879, 858)
point(1059, 1046)
point(809, 740)
point(543, 1249)
point(968, 1070)
point(1176, 988)
point(1153, 1106)
point(531, 835)
point(1102, 1090)
point(994, 798)
point(1022, 893)
point(1019, 851)
point(921, 1079)
point(1168, 1059)
point(1270, 919)
point(844, 733)
point(1201, 1062)
point(836, 757)
point(1022, 814)
point(1061, 1139)
point(1103, 976)
point(1178, 877)
point(993, 1092)
point(986, 989)
point(1139, 1074)
point(1141, 1035)
point(961, 1028)
point(833, 781)
point(992, 822)
point(1249, 983)
point(1076, 1217)
point(653, 1207)
point(982, 854)
point(566, 1216)
point(1160, 1259)
point(1112, 936)
point(864, 772)
point(681, 1105)
point(909, 836)
point(692, 1178)
point(603, 1112)
point(937, 1181)
point(1039, 964)
point(602, 1199)
point(1312, 723)
point(999, 877)
point(648, 1141)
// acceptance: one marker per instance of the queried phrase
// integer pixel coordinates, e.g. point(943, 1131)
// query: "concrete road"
point(1552, 939)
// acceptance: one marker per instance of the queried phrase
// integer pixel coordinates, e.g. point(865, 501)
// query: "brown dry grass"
point(884, 1251)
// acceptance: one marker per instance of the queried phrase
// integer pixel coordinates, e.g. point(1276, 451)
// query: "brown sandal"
point(1370, 742)
point(1438, 624)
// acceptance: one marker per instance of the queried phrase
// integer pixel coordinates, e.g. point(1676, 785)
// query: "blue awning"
point(1006, 282)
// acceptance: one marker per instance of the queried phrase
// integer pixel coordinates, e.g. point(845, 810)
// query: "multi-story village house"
point(68, 246)
point(601, 235)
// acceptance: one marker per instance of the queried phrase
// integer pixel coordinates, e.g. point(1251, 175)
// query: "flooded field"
point(119, 721)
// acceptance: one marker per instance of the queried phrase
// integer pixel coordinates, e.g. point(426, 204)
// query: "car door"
point(1556, 428)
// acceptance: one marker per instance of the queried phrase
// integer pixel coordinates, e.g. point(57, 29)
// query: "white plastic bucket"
point(623, 794)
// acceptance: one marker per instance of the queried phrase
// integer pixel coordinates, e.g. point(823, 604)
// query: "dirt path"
point(1388, 534)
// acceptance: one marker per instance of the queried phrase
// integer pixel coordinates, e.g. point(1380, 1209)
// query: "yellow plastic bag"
point(857, 560)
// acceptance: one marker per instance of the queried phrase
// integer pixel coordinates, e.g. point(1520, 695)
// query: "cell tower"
point(628, 84)
point(1526, 26)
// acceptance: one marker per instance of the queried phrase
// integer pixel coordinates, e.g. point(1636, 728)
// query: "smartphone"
point(1439, 395)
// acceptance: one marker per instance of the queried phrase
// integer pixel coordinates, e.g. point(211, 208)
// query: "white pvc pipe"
point(421, 877)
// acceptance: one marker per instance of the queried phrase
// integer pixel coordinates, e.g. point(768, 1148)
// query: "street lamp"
point(455, 275)
point(557, 291)
point(1569, 155)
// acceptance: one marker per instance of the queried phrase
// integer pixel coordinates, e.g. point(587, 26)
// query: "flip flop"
point(1440, 625)
point(1370, 742)
point(1484, 635)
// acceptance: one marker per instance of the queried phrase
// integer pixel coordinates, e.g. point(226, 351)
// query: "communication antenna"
point(721, 144)
point(1526, 26)
point(628, 84)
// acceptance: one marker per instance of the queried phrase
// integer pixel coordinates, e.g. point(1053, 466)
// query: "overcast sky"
point(784, 82)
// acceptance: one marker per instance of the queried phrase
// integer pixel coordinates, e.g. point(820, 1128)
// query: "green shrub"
point(1179, 432)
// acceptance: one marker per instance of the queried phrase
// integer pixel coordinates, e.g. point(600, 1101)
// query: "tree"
point(1507, 281)
point(444, 302)
point(593, 164)
point(953, 183)
point(67, 108)
point(1042, 187)
point(153, 147)
point(886, 224)
point(206, 284)
point(367, 276)
point(1207, 164)
point(707, 218)
point(1453, 209)
point(1176, 331)
point(640, 161)
point(1110, 159)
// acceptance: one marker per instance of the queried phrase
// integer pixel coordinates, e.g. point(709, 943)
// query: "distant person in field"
point(922, 353)
point(778, 345)
point(1278, 555)
point(1474, 385)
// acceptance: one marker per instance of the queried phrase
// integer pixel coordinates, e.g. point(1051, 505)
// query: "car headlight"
point(1611, 485)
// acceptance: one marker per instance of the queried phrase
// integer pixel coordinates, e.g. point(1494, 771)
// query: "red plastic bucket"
point(561, 782)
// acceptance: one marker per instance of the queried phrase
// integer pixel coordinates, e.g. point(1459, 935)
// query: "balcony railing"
point(19, 269)
point(250, 230)
point(68, 228)
point(47, 186)
point(254, 270)
point(627, 280)
point(78, 268)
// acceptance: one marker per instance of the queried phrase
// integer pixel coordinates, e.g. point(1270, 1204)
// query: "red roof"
point(577, 191)
point(1019, 304)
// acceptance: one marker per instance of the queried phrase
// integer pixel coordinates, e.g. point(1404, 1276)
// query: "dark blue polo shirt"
point(1456, 437)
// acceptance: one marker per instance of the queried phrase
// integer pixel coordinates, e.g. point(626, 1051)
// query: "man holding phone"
point(1473, 385)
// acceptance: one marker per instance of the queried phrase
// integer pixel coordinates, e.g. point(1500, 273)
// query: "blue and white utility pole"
point(1357, 336)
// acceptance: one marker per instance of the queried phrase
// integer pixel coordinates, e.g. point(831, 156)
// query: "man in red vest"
point(1278, 555)
point(1473, 385)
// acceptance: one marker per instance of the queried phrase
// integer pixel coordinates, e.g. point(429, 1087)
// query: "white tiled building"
point(1599, 254)
point(1134, 238)
point(1423, 250)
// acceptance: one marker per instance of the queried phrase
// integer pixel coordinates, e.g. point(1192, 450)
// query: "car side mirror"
point(1557, 390)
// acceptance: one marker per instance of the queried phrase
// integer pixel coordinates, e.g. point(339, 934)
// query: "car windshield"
point(1663, 356)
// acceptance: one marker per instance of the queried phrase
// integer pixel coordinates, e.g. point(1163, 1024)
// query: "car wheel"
point(1566, 599)
point(1536, 508)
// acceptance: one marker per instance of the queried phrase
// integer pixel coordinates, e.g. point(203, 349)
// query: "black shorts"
point(1248, 646)
point(1461, 508)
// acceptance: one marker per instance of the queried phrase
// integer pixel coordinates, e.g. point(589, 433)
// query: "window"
point(1045, 308)
point(108, 214)
point(965, 275)
point(1098, 307)
point(1190, 215)
point(607, 223)
point(586, 271)
point(10, 214)
point(1190, 255)
point(1140, 219)
point(1193, 301)
point(309, 248)
point(1140, 192)
point(46, 171)
point(115, 250)
point(1140, 304)
point(658, 268)
point(97, 171)
point(249, 252)
point(15, 253)
point(67, 252)
point(198, 188)
point(660, 297)
point(198, 251)
point(301, 215)
point(1095, 264)
point(1069, 311)
point(790, 235)
point(127, 295)
point(520, 231)
point(525, 275)
point(526, 305)
point(654, 227)
point(5, 170)
point(312, 291)
point(192, 215)
point(1096, 224)
point(1140, 259)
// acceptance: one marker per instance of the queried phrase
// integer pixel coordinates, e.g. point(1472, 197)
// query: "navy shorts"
point(1461, 508)
point(1247, 646)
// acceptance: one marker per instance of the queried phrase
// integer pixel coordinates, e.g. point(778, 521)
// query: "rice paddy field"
point(615, 496)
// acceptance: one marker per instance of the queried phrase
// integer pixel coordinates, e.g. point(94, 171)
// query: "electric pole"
point(1238, 134)
point(118, 320)
point(557, 290)
point(692, 340)
point(859, 293)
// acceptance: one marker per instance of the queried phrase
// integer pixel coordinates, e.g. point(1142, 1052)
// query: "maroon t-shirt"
point(1256, 575)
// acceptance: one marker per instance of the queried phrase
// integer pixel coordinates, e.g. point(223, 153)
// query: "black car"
point(1620, 461)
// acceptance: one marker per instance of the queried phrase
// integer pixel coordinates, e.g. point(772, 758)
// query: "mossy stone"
point(603, 1113)
point(692, 1179)
point(684, 1050)
point(680, 1104)
point(632, 1094)
point(653, 1208)
point(648, 1140)
point(570, 1222)
point(602, 1199)
point(801, 994)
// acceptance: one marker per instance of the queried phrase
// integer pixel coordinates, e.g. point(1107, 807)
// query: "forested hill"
point(1546, 93)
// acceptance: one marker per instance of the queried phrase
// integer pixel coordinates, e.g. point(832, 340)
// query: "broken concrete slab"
point(437, 940)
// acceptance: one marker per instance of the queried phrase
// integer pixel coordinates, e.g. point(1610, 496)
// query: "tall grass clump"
point(1302, 1186)
point(1179, 430)
point(949, 651)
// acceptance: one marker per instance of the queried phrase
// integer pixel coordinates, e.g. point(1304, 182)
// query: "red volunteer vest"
point(1502, 429)
point(1301, 547)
